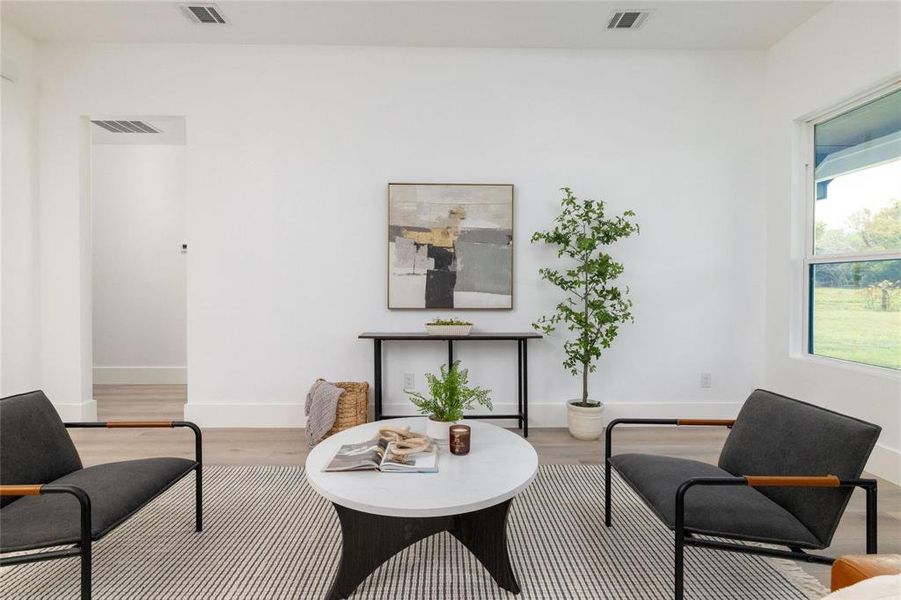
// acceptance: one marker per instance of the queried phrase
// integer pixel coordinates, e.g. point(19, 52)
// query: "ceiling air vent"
point(204, 14)
point(126, 126)
point(628, 19)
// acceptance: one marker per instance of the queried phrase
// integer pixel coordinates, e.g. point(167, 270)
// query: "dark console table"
point(522, 388)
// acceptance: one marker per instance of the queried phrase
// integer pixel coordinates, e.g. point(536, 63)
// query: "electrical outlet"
point(706, 380)
point(409, 381)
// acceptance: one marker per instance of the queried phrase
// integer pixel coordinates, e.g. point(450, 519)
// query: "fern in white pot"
point(449, 397)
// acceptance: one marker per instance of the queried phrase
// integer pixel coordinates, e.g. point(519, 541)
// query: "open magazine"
point(394, 450)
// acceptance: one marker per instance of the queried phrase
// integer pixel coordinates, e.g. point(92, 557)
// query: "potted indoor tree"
point(449, 397)
point(593, 306)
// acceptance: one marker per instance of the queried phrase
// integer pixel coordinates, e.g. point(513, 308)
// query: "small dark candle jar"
point(459, 439)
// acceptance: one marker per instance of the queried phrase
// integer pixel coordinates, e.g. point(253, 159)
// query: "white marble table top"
point(499, 466)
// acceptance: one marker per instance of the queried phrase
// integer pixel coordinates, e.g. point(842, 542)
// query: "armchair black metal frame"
point(686, 538)
point(83, 548)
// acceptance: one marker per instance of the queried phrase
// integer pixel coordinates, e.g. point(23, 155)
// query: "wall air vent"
point(126, 126)
point(204, 14)
point(628, 19)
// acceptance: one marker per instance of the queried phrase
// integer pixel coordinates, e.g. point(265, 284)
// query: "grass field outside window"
point(848, 327)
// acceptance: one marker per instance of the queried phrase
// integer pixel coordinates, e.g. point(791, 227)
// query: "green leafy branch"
point(450, 394)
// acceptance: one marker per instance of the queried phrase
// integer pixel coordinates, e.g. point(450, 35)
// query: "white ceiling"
point(715, 24)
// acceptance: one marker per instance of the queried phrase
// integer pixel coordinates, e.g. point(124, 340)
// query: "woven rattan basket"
point(353, 406)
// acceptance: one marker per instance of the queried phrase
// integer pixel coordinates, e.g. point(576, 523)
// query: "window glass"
point(856, 311)
point(857, 176)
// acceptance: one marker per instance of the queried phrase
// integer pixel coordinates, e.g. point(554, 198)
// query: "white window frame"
point(809, 258)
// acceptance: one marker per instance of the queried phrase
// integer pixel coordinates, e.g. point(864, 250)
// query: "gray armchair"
point(785, 475)
point(47, 498)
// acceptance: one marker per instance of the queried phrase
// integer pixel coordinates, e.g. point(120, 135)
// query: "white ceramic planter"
point(438, 430)
point(448, 329)
point(584, 423)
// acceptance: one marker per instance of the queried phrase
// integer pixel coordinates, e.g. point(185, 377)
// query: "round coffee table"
point(383, 513)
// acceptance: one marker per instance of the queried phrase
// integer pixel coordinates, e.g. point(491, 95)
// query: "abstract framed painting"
point(450, 246)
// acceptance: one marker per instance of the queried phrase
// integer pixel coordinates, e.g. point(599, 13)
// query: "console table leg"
point(484, 533)
point(525, 389)
point(377, 380)
point(519, 382)
point(450, 353)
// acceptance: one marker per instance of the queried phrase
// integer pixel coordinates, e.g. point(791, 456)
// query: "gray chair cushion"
point(735, 512)
point(117, 490)
point(776, 435)
point(34, 444)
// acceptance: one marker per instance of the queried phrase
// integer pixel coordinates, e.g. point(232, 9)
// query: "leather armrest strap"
point(134, 424)
point(792, 481)
point(20, 490)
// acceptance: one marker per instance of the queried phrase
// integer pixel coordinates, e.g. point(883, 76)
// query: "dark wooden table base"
point(369, 540)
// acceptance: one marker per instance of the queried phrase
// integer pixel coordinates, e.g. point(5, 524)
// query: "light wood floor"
point(287, 447)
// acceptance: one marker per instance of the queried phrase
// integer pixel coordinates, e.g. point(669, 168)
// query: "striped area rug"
point(268, 535)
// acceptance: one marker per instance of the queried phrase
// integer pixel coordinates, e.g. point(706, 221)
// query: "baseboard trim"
point(885, 462)
point(140, 375)
point(540, 414)
point(554, 414)
point(84, 411)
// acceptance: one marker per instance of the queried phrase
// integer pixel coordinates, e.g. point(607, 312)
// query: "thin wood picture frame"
point(450, 246)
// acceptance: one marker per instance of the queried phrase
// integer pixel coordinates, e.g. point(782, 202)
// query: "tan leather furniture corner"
point(851, 569)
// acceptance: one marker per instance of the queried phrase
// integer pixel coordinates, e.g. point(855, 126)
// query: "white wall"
point(64, 255)
point(289, 153)
point(20, 316)
point(846, 49)
point(139, 301)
